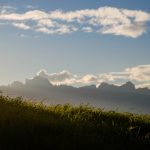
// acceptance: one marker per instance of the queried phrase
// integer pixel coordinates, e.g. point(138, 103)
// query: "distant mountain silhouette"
point(125, 97)
point(38, 81)
point(17, 84)
point(129, 86)
point(106, 86)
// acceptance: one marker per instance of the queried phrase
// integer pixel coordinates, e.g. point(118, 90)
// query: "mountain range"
point(121, 98)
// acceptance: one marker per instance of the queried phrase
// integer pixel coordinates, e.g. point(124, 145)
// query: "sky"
point(75, 42)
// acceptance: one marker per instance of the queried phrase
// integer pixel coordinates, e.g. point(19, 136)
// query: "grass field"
point(27, 125)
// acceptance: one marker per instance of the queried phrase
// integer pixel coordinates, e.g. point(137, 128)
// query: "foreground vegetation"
point(26, 125)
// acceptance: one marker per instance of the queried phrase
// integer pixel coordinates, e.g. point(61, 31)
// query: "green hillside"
point(27, 125)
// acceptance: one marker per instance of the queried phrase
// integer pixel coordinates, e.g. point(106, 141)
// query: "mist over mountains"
point(122, 98)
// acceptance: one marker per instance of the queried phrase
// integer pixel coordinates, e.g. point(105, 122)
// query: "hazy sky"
point(88, 38)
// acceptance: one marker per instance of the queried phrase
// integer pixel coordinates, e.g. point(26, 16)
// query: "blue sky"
point(80, 48)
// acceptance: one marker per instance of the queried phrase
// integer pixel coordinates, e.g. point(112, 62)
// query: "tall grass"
point(27, 125)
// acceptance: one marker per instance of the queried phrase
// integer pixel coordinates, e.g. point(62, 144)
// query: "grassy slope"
point(25, 126)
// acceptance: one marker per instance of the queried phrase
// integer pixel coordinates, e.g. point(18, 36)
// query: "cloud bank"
point(140, 75)
point(104, 20)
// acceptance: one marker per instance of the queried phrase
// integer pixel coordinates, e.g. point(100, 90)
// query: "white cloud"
point(60, 29)
point(21, 26)
point(4, 9)
point(47, 23)
point(31, 7)
point(140, 75)
point(129, 30)
point(57, 78)
point(27, 36)
point(23, 36)
point(143, 85)
point(105, 20)
point(87, 29)
point(89, 78)
point(45, 30)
